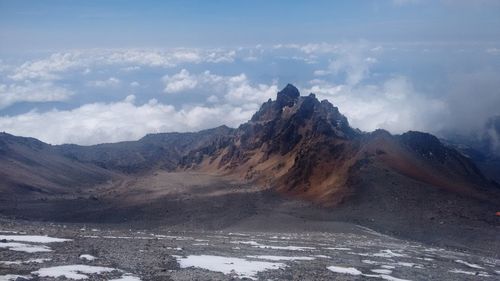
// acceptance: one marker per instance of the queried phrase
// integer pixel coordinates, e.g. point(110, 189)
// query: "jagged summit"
point(288, 96)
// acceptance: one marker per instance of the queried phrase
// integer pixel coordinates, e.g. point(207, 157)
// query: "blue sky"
point(101, 71)
point(93, 23)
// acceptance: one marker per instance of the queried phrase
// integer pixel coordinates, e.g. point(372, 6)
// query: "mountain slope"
point(31, 167)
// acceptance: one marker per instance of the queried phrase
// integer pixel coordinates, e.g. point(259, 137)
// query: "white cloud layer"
point(119, 121)
point(351, 75)
point(50, 68)
point(234, 101)
point(393, 105)
point(31, 92)
point(234, 90)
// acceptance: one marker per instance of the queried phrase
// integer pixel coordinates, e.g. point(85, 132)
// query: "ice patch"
point(344, 270)
point(12, 277)
point(32, 238)
point(87, 257)
point(282, 258)
point(21, 247)
point(471, 265)
point(477, 273)
point(77, 271)
point(227, 265)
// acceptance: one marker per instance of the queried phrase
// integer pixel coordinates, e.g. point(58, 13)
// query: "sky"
point(89, 72)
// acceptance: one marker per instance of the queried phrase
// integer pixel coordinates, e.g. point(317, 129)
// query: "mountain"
point(304, 147)
point(482, 147)
point(31, 167)
point(297, 162)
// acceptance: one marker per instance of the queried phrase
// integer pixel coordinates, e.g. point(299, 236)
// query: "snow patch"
point(21, 247)
point(12, 277)
point(77, 271)
point(227, 265)
point(291, 248)
point(281, 258)
point(388, 254)
point(339, 249)
point(127, 277)
point(382, 271)
point(25, 262)
point(344, 270)
point(87, 257)
point(471, 265)
point(477, 273)
point(32, 238)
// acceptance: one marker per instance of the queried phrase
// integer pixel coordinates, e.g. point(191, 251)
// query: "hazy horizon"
point(88, 72)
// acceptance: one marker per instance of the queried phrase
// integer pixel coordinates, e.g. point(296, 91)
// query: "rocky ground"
point(39, 251)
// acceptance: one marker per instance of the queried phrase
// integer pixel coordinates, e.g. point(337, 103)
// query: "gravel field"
point(47, 251)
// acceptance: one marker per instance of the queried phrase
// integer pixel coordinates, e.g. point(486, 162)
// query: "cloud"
point(118, 121)
point(393, 105)
point(235, 90)
point(31, 92)
point(47, 69)
point(232, 101)
point(179, 82)
point(111, 82)
point(51, 67)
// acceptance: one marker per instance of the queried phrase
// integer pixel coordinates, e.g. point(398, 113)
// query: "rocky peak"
point(288, 96)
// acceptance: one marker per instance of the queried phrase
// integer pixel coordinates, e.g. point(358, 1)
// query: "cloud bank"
point(107, 95)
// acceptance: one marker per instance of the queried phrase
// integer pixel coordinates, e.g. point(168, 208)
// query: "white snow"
point(12, 277)
point(253, 243)
point(76, 271)
point(479, 273)
point(127, 277)
point(322, 256)
point(471, 265)
point(344, 270)
point(32, 238)
point(382, 271)
point(409, 264)
point(258, 245)
point(281, 258)
point(390, 278)
point(291, 248)
point(87, 257)
point(370, 262)
point(24, 262)
point(388, 254)
point(21, 247)
point(228, 265)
